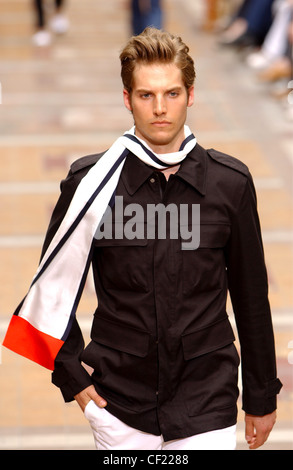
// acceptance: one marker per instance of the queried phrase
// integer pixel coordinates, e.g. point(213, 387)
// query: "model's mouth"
point(161, 123)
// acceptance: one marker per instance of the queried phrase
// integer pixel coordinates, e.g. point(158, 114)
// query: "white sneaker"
point(42, 38)
point(59, 24)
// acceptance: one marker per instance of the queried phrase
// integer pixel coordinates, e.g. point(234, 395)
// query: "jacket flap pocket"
point(213, 235)
point(207, 339)
point(120, 337)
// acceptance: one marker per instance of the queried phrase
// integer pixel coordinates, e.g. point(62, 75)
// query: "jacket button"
point(152, 180)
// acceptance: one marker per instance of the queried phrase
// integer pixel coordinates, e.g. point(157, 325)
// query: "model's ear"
point(127, 99)
point(190, 96)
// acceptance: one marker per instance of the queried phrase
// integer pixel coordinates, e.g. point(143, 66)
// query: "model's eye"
point(173, 94)
point(146, 95)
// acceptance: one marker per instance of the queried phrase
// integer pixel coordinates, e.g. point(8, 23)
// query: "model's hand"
point(258, 428)
point(87, 395)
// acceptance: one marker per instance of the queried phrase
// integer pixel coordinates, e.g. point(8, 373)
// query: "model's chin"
point(159, 144)
point(161, 139)
point(160, 135)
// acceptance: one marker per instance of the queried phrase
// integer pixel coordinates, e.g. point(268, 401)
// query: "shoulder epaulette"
point(229, 161)
point(83, 162)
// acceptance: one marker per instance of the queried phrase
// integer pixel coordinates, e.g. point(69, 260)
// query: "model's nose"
point(159, 106)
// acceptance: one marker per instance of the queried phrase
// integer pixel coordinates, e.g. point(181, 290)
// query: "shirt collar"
point(192, 170)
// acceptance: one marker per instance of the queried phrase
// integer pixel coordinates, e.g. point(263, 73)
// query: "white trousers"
point(112, 434)
point(275, 43)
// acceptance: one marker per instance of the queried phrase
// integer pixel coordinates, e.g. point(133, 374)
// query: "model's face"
point(159, 102)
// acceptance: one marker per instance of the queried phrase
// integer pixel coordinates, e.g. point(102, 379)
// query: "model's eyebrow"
point(142, 90)
point(175, 88)
point(147, 90)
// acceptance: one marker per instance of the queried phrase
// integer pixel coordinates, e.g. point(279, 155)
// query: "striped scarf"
point(42, 322)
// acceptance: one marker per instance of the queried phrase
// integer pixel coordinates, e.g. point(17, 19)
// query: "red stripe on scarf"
point(24, 339)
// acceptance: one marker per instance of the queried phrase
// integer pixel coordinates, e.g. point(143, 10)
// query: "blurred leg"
point(42, 37)
point(59, 22)
point(39, 8)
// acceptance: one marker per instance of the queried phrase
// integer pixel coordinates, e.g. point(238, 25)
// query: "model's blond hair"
point(152, 46)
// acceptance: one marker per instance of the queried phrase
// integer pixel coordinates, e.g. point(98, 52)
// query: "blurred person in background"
point(275, 57)
point(58, 24)
point(273, 61)
point(277, 42)
point(212, 13)
point(250, 24)
point(217, 12)
point(145, 13)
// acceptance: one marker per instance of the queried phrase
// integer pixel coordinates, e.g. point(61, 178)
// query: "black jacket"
point(162, 345)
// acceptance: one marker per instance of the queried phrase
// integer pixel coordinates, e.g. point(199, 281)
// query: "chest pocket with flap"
point(204, 268)
point(122, 262)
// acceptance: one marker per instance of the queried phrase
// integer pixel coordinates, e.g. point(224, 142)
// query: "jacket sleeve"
point(248, 286)
point(69, 374)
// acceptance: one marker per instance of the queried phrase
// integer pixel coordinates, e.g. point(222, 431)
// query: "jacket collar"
point(192, 170)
